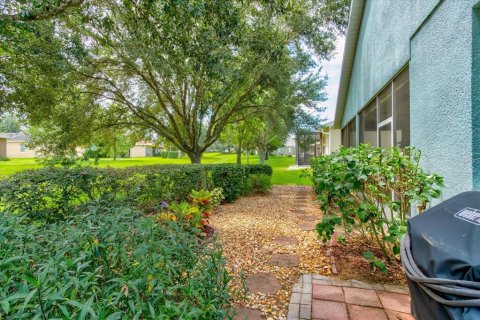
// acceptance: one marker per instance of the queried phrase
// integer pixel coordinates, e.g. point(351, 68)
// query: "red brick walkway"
point(322, 298)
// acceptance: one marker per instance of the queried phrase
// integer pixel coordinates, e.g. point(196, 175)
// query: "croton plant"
point(194, 214)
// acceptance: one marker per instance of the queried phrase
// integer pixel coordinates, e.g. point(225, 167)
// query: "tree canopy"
point(182, 70)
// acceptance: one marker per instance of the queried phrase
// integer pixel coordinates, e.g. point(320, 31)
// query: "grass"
point(280, 164)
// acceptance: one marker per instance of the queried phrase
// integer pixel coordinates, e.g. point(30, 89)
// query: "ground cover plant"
point(280, 165)
point(370, 192)
point(106, 243)
point(108, 263)
point(259, 183)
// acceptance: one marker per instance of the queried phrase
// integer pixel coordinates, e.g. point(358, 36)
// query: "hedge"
point(113, 264)
point(259, 169)
point(53, 193)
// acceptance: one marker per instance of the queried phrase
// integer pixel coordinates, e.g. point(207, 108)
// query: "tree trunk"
point(266, 154)
point(195, 157)
point(248, 156)
point(261, 155)
point(115, 151)
point(239, 154)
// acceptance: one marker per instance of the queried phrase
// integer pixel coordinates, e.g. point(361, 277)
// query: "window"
point(368, 125)
point(23, 148)
point(402, 109)
point(385, 122)
point(352, 133)
point(385, 104)
point(385, 136)
point(349, 132)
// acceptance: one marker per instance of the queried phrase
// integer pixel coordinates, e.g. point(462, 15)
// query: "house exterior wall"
point(3, 147)
point(137, 152)
point(141, 151)
point(434, 37)
point(14, 150)
point(148, 151)
point(334, 140)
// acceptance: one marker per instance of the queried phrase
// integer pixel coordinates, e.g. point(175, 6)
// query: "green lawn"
point(281, 174)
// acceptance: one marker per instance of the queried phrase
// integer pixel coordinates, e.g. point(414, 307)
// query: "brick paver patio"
point(317, 297)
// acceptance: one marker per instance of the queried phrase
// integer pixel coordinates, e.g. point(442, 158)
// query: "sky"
point(333, 69)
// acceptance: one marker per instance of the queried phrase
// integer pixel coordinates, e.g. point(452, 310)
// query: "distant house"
point(3, 147)
point(329, 139)
point(143, 149)
point(13, 145)
point(322, 142)
point(288, 149)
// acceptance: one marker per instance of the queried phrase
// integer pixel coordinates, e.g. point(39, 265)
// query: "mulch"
point(249, 231)
point(256, 228)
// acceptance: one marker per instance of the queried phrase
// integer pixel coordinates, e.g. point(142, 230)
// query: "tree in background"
point(180, 70)
point(16, 10)
point(10, 123)
point(305, 126)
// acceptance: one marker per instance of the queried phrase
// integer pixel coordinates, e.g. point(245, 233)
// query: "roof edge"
point(354, 23)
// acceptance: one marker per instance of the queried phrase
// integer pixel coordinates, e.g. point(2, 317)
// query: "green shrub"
point(4, 159)
point(164, 154)
point(355, 188)
point(150, 185)
point(173, 154)
point(259, 183)
point(51, 194)
point(259, 169)
point(232, 178)
point(111, 264)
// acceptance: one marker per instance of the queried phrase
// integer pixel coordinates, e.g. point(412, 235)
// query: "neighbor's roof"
point(144, 143)
point(354, 22)
point(14, 136)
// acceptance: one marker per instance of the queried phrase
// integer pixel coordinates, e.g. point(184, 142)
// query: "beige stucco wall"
point(3, 147)
point(141, 151)
point(13, 150)
point(335, 140)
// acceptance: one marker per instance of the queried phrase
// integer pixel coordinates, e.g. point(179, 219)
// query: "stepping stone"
point(298, 210)
point(307, 226)
point(284, 260)
point(307, 218)
point(263, 282)
point(286, 241)
point(247, 314)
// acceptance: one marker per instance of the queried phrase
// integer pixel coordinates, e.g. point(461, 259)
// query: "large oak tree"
point(180, 69)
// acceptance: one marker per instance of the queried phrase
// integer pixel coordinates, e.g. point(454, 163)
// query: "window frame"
point(392, 120)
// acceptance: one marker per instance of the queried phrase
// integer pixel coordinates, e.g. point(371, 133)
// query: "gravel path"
point(255, 232)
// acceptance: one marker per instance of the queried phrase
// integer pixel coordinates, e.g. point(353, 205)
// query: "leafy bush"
point(112, 264)
point(193, 216)
point(232, 178)
point(217, 196)
point(164, 154)
point(259, 169)
point(149, 185)
point(169, 154)
point(51, 194)
point(371, 191)
point(173, 154)
point(4, 159)
point(259, 183)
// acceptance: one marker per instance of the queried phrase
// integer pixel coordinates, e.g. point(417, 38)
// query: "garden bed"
point(352, 265)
